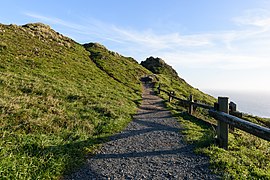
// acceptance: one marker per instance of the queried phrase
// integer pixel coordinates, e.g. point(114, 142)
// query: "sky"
point(216, 45)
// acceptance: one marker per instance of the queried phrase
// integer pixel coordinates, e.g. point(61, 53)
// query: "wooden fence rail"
point(252, 128)
point(225, 114)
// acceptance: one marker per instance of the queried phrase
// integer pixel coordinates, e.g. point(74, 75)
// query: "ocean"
point(253, 103)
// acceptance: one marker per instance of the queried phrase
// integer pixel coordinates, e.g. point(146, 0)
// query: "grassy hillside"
point(248, 157)
point(170, 81)
point(124, 70)
point(59, 100)
point(55, 103)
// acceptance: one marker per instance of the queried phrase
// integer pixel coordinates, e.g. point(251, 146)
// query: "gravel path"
point(151, 147)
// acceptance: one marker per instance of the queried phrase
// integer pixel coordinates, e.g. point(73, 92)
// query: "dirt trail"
point(151, 147)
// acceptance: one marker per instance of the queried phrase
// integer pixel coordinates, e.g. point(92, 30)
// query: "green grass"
point(59, 102)
point(124, 70)
point(258, 120)
point(247, 157)
point(182, 89)
point(56, 105)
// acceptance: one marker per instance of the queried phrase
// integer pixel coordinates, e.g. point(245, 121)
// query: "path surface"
point(151, 147)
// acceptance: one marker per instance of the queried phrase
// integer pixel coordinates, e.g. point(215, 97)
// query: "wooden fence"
point(226, 115)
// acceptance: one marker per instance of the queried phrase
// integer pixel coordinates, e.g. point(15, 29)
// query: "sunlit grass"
point(56, 105)
point(247, 157)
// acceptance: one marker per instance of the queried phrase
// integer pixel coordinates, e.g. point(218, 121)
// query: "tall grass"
point(56, 105)
point(247, 157)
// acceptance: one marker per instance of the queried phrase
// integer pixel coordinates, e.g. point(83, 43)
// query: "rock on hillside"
point(44, 32)
point(158, 66)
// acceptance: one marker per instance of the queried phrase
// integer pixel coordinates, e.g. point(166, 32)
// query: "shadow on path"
point(150, 147)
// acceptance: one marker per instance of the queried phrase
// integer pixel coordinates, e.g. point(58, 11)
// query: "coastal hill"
point(169, 80)
point(59, 100)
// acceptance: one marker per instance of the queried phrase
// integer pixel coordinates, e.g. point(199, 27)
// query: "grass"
point(258, 120)
point(122, 69)
point(59, 101)
point(182, 89)
point(247, 157)
point(56, 104)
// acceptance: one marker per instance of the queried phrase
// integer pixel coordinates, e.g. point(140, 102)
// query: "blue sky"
point(212, 44)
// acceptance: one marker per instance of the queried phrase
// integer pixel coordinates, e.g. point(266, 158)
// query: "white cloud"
point(255, 17)
point(53, 20)
point(244, 48)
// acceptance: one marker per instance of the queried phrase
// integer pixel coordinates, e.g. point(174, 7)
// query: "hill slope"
point(124, 70)
point(59, 100)
point(55, 102)
point(247, 156)
point(170, 81)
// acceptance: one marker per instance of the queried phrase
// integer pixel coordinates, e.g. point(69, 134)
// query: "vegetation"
point(56, 104)
point(169, 80)
point(247, 157)
point(258, 120)
point(59, 100)
point(124, 70)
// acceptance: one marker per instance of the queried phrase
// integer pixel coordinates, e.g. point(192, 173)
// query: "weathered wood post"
point(195, 107)
point(223, 128)
point(190, 108)
point(158, 89)
point(232, 110)
point(171, 93)
point(232, 106)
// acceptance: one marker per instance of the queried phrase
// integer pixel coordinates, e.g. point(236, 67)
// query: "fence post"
point(158, 89)
point(190, 108)
point(222, 129)
point(171, 93)
point(232, 110)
